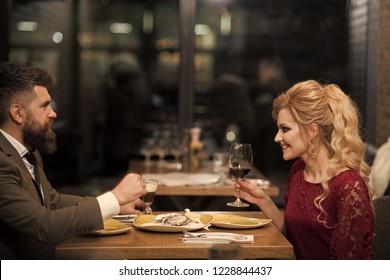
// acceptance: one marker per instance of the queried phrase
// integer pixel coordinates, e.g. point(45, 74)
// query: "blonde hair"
point(338, 122)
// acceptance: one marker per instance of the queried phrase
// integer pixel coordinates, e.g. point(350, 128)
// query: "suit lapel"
point(9, 150)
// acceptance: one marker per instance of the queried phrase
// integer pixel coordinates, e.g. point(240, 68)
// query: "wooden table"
point(218, 189)
point(198, 197)
point(269, 243)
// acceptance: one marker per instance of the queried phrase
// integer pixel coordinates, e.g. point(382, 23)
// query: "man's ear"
point(17, 113)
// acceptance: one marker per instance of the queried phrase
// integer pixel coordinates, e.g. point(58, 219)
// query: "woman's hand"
point(249, 191)
point(252, 193)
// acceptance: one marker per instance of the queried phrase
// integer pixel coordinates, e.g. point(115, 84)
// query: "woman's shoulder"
point(347, 176)
point(347, 181)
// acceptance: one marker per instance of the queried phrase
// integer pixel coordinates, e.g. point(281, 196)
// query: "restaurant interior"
point(127, 71)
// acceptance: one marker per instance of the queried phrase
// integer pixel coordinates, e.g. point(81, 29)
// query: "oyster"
point(173, 219)
point(178, 220)
point(163, 217)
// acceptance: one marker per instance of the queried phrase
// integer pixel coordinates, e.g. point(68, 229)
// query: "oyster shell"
point(178, 220)
point(173, 219)
point(163, 217)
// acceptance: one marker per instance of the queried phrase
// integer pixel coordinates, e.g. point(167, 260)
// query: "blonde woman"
point(327, 213)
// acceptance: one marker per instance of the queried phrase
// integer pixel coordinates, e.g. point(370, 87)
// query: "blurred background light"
point(57, 37)
point(123, 28)
point(28, 26)
point(202, 29)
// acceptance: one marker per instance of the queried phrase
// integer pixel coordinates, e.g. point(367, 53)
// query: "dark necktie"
point(31, 159)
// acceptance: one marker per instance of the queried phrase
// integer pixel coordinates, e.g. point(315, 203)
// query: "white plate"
point(148, 222)
point(112, 227)
point(262, 183)
point(238, 222)
point(183, 178)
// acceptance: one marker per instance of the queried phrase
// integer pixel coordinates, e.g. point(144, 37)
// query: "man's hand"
point(135, 207)
point(129, 189)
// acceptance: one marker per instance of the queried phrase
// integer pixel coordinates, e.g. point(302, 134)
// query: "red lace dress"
point(349, 223)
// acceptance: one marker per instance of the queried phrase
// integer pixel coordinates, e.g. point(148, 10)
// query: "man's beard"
point(39, 137)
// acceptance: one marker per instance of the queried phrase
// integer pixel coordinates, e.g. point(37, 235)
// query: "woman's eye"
point(284, 129)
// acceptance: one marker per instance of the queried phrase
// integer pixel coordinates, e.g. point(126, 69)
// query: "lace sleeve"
point(352, 235)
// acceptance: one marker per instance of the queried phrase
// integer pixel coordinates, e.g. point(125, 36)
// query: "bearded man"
point(34, 217)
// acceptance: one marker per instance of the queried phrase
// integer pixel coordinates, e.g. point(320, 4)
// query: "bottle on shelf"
point(196, 148)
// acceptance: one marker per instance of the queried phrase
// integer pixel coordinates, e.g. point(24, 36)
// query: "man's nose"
point(52, 114)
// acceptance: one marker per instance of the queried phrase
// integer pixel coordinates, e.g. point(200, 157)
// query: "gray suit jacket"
point(29, 230)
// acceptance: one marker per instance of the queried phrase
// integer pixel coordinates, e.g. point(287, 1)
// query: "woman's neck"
point(316, 169)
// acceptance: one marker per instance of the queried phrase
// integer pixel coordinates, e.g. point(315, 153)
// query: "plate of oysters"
point(173, 222)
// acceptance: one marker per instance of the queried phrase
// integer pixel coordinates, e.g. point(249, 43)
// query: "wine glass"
point(147, 150)
point(240, 163)
point(162, 150)
point(175, 149)
point(148, 198)
point(221, 165)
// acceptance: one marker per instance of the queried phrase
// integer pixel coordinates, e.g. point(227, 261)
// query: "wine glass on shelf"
point(162, 150)
point(240, 163)
point(148, 198)
point(147, 150)
point(175, 149)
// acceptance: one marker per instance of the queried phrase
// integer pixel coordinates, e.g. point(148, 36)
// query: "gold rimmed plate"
point(148, 222)
point(112, 227)
point(238, 222)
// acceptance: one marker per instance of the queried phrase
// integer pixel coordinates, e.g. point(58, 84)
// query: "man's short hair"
point(17, 83)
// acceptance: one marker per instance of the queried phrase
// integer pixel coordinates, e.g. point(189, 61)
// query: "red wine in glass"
point(240, 163)
point(239, 172)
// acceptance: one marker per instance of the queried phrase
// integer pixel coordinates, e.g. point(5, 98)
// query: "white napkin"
point(127, 219)
point(217, 237)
